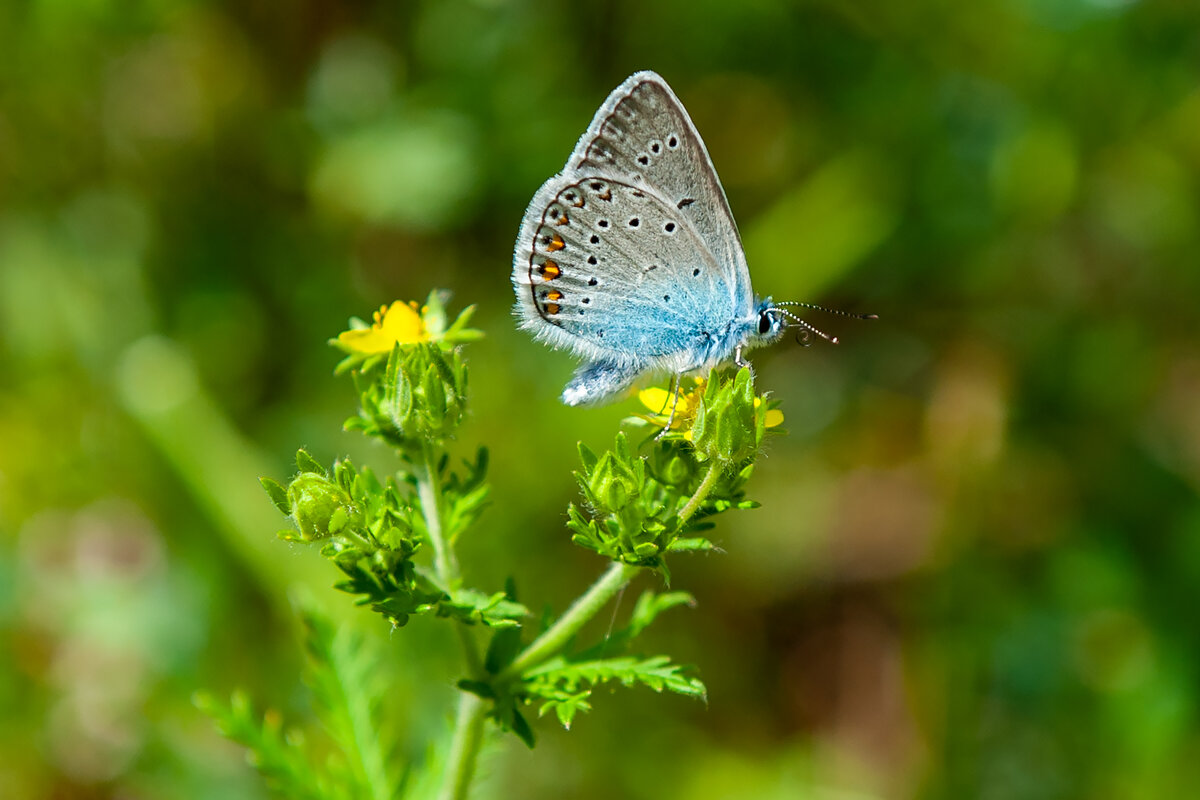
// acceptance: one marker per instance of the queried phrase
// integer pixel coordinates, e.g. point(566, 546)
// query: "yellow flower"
point(398, 323)
point(659, 400)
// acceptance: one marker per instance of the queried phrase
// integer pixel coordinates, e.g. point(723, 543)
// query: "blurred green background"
point(974, 571)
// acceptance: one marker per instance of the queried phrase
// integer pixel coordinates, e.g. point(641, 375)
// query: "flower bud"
point(317, 505)
point(727, 428)
point(611, 484)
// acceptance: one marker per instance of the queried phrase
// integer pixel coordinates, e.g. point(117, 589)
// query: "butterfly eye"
point(764, 323)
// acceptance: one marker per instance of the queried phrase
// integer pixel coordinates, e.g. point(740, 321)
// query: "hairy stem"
point(429, 490)
point(582, 610)
point(468, 726)
point(702, 491)
point(464, 748)
point(445, 565)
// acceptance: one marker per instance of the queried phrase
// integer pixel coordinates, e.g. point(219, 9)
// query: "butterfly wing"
point(630, 257)
point(643, 131)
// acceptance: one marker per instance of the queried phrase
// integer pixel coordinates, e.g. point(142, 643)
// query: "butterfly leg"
point(741, 362)
point(674, 405)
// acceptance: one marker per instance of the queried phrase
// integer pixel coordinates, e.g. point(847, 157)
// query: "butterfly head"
point(769, 324)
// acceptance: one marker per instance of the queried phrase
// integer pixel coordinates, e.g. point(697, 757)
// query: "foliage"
point(638, 509)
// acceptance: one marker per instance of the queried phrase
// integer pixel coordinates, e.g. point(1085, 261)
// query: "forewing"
point(643, 133)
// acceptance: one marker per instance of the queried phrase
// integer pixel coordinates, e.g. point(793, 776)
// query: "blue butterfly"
point(630, 257)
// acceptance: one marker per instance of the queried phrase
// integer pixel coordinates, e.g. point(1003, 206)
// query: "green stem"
point(472, 712)
point(464, 748)
point(445, 565)
point(429, 491)
point(583, 609)
point(702, 491)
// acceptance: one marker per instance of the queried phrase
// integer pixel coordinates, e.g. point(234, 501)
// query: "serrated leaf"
point(281, 758)
point(650, 605)
point(656, 672)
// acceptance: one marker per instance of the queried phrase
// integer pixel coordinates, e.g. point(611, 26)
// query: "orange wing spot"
point(554, 296)
point(562, 220)
point(606, 194)
point(578, 203)
point(556, 243)
point(549, 270)
point(552, 308)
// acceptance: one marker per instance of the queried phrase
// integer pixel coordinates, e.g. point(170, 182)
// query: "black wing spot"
point(597, 186)
point(695, 272)
point(666, 297)
point(685, 202)
point(592, 260)
point(673, 142)
point(669, 227)
point(655, 148)
point(603, 223)
point(592, 282)
point(595, 239)
point(587, 300)
point(633, 222)
point(643, 159)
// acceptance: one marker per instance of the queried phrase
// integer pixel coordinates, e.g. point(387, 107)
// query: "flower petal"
point(401, 323)
point(656, 399)
point(397, 323)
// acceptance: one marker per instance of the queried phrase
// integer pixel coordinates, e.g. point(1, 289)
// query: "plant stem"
point(429, 491)
point(582, 610)
point(445, 565)
point(702, 491)
point(472, 712)
point(464, 748)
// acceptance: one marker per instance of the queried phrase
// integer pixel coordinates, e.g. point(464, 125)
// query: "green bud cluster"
point(633, 503)
point(729, 427)
point(419, 396)
point(366, 529)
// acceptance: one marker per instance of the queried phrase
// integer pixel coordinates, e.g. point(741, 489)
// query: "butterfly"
point(630, 257)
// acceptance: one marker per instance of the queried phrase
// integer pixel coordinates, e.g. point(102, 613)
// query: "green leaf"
point(693, 545)
point(472, 606)
point(521, 728)
point(480, 688)
point(278, 495)
point(567, 707)
point(657, 673)
point(306, 463)
point(279, 756)
point(346, 681)
point(649, 605)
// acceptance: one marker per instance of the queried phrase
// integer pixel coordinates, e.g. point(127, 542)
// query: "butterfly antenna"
point(807, 326)
point(815, 307)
